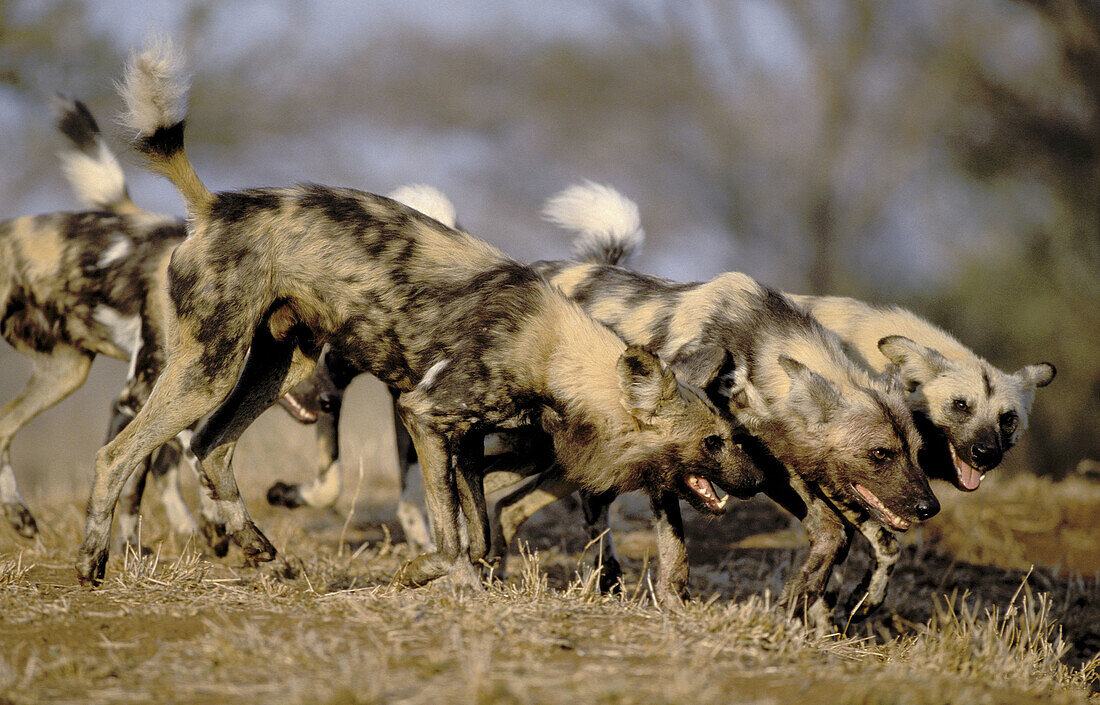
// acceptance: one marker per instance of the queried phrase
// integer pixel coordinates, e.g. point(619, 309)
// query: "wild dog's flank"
point(397, 294)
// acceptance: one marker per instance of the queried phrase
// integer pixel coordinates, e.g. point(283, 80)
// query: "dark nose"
point(985, 455)
point(927, 508)
point(330, 403)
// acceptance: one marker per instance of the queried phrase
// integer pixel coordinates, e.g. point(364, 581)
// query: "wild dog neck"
point(572, 362)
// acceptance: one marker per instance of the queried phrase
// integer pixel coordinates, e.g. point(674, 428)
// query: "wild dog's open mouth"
point(296, 410)
point(702, 487)
point(879, 509)
point(969, 478)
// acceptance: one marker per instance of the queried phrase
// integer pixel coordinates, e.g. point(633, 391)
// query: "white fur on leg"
point(9, 490)
point(325, 490)
point(179, 516)
point(208, 506)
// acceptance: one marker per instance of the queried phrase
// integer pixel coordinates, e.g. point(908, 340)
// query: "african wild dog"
point(79, 284)
point(473, 340)
point(958, 400)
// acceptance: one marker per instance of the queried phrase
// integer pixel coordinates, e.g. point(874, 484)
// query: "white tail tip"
point(154, 87)
point(609, 229)
point(428, 200)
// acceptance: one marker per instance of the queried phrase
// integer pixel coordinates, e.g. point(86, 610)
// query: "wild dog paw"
point(283, 495)
point(254, 544)
point(216, 538)
point(671, 597)
point(611, 575)
point(21, 520)
point(422, 570)
point(91, 566)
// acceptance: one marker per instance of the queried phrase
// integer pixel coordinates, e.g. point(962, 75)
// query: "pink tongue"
point(969, 478)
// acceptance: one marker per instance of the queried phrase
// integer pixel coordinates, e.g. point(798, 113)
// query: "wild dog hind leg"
point(190, 387)
point(271, 368)
point(55, 376)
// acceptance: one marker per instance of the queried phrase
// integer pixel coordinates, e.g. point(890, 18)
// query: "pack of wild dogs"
point(548, 379)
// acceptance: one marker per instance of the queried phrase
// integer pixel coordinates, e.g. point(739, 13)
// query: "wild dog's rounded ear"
point(1038, 375)
point(812, 396)
point(916, 363)
point(645, 383)
point(701, 367)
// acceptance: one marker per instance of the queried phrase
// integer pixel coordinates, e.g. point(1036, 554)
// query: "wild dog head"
point(676, 440)
point(970, 412)
point(853, 436)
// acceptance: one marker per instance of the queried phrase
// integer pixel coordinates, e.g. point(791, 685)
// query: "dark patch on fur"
point(77, 123)
point(339, 207)
point(235, 206)
point(163, 143)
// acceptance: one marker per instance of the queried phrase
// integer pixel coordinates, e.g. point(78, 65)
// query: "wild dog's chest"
point(462, 394)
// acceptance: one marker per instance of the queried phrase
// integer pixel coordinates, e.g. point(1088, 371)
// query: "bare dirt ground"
point(323, 625)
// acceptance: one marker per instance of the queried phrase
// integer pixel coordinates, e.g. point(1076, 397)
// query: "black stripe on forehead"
point(988, 383)
point(895, 423)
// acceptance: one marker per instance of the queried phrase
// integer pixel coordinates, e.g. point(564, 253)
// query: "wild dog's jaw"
point(702, 487)
point(880, 510)
point(969, 478)
point(297, 409)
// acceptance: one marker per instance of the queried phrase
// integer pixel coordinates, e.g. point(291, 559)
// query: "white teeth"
point(722, 502)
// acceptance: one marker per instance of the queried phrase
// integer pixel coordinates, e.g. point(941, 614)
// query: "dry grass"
point(323, 625)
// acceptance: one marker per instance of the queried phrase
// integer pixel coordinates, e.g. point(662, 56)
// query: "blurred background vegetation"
point(943, 154)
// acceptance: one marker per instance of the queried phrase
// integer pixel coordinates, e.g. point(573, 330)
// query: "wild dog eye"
point(713, 444)
point(881, 455)
point(1008, 422)
point(961, 405)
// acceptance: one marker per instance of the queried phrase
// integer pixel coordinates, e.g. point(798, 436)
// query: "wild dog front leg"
point(871, 592)
point(471, 494)
point(596, 509)
point(829, 537)
point(54, 377)
point(672, 577)
point(441, 498)
point(409, 513)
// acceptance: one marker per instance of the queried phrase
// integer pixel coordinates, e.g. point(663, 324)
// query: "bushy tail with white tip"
point(428, 200)
point(154, 88)
point(609, 230)
point(89, 165)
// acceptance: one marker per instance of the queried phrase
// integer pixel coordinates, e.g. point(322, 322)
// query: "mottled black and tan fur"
point(473, 340)
point(75, 285)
